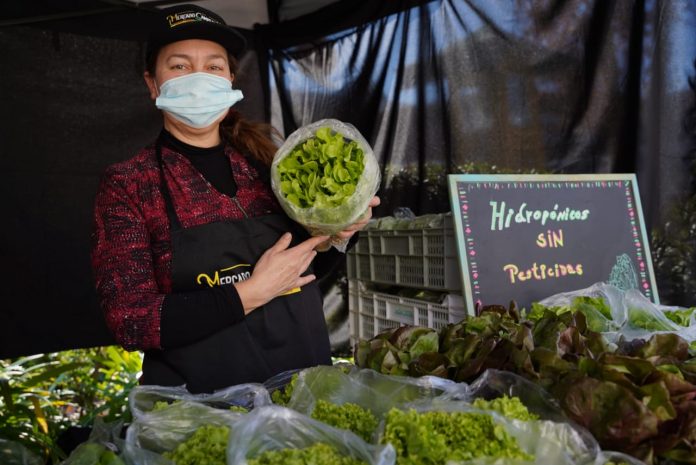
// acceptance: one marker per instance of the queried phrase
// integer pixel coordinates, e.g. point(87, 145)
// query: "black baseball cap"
point(182, 22)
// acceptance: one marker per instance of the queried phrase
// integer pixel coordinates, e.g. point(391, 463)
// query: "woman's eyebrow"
point(179, 55)
point(212, 56)
point(216, 56)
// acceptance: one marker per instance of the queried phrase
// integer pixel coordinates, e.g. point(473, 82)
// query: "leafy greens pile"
point(321, 172)
point(347, 416)
point(639, 399)
point(511, 407)
point(282, 395)
point(438, 437)
point(207, 445)
point(318, 453)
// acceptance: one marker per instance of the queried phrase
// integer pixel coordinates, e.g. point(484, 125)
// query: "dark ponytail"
point(253, 138)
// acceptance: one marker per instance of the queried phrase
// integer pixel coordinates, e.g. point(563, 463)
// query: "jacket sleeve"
point(123, 268)
point(139, 315)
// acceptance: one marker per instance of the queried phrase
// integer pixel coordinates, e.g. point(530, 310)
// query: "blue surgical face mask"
point(197, 99)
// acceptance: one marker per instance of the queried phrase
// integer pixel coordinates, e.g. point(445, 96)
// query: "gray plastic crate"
point(420, 258)
point(374, 312)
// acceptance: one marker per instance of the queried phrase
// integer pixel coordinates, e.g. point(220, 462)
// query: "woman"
point(195, 262)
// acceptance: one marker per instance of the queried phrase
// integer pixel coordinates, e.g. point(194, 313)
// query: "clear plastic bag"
point(158, 430)
point(644, 318)
point(14, 453)
point(550, 443)
point(142, 399)
point(612, 296)
point(103, 446)
point(280, 381)
point(493, 384)
point(329, 220)
point(633, 316)
point(275, 428)
point(366, 388)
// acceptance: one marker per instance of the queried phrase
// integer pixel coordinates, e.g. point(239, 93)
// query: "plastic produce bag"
point(280, 386)
point(164, 417)
point(275, 428)
point(317, 180)
point(644, 318)
point(142, 399)
point(597, 320)
point(102, 447)
point(494, 384)
point(548, 442)
point(14, 453)
point(633, 316)
point(363, 387)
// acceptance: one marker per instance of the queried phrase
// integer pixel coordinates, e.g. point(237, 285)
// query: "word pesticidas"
point(541, 272)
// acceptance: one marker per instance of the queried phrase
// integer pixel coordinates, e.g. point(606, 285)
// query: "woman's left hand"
point(345, 235)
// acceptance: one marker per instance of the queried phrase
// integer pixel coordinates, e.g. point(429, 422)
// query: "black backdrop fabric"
point(560, 86)
point(575, 86)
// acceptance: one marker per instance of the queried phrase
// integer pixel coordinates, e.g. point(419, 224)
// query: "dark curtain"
point(576, 86)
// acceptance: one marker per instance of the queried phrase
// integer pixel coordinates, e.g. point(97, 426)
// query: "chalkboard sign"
point(527, 237)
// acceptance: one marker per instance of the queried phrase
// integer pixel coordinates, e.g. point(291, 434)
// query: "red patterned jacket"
point(131, 250)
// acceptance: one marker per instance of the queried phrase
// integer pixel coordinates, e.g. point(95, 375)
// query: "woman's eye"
point(178, 67)
point(216, 67)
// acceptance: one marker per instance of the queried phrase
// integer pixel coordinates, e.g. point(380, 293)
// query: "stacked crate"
point(415, 254)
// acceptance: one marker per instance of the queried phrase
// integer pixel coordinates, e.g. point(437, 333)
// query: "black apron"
point(286, 333)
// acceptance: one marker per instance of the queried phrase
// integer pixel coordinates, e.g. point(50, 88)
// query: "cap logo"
point(177, 19)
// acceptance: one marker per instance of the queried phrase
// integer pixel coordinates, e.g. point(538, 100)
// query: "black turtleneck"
point(211, 162)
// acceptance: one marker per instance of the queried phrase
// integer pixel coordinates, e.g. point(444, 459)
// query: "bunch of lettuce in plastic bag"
point(453, 432)
point(275, 435)
point(102, 447)
point(602, 304)
point(619, 314)
point(324, 176)
point(644, 318)
point(281, 386)
point(171, 425)
point(519, 400)
point(358, 399)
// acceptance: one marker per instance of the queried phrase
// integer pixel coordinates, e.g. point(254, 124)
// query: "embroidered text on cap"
point(178, 19)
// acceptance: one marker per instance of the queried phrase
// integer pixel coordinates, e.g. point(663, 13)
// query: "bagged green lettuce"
point(275, 434)
point(324, 176)
point(453, 432)
point(171, 425)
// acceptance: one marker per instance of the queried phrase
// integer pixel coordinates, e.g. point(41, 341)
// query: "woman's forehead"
point(193, 48)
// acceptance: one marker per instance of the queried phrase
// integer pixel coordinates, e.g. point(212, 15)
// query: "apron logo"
point(217, 280)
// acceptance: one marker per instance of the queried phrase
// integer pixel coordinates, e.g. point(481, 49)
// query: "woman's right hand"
point(278, 271)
